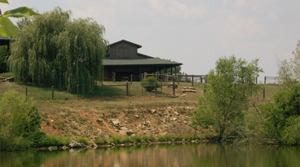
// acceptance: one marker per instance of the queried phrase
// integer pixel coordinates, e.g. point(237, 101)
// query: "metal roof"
point(123, 40)
point(148, 61)
point(4, 38)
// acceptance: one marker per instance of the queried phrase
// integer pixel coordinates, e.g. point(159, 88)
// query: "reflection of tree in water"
point(204, 154)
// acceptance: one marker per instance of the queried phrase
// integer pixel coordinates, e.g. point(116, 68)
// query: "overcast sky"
point(193, 32)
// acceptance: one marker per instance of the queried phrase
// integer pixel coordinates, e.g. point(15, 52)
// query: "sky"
point(194, 32)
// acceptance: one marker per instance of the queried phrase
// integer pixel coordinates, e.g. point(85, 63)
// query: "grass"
point(82, 140)
point(7, 74)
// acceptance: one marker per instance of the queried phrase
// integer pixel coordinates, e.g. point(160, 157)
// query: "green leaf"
point(3, 1)
point(7, 28)
point(20, 12)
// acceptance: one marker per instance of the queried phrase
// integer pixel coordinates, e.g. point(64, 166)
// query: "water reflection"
point(205, 154)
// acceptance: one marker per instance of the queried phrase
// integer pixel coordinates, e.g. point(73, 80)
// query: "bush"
point(43, 140)
point(82, 140)
point(149, 83)
point(137, 139)
point(126, 139)
point(19, 121)
point(115, 139)
point(101, 140)
point(283, 116)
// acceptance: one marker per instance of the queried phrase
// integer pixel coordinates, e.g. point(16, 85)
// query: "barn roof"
point(147, 61)
point(4, 38)
point(123, 40)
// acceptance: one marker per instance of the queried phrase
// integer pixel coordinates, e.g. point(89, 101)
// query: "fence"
point(270, 80)
point(195, 80)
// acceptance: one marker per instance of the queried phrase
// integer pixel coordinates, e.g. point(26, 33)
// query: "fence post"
point(142, 88)
point(102, 90)
point(192, 80)
point(127, 93)
point(174, 87)
point(265, 79)
point(77, 91)
point(264, 93)
point(185, 77)
point(161, 86)
point(114, 77)
point(167, 78)
point(26, 93)
point(131, 79)
point(178, 79)
point(52, 92)
point(155, 88)
point(204, 90)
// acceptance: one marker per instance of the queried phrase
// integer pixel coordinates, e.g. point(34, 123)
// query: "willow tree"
point(54, 49)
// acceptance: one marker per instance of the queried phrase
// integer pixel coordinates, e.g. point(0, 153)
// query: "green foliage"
point(115, 139)
point(126, 139)
point(82, 140)
point(7, 28)
point(43, 140)
point(19, 121)
point(54, 49)
point(230, 84)
point(149, 83)
point(137, 139)
point(283, 116)
point(100, 140)
point(289, 71)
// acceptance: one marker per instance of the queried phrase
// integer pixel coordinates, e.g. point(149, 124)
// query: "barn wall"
point(123, 51)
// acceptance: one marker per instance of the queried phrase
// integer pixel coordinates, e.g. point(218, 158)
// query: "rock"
point(115, 122)
point(73, 151)
point(52, 120)
point(176, 113)
point(10, 79)
point(64, 148)
point(174, 119)
point(130, 132)
point(123, 131)
point(136, 116)
point(52, 148)
point(185, 122)
point(99, 121)
point(183, 95)
point(169, 108)
point(153, 111)
point(75, 144)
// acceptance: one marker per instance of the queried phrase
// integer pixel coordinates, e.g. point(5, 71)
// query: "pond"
point(204, 154)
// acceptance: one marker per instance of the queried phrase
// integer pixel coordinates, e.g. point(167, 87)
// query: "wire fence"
point(270, 80)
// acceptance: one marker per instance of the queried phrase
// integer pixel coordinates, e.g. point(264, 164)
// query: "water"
point(204, 154)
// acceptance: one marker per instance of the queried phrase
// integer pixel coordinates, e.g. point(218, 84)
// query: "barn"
point(4, 41)
point(123, 61)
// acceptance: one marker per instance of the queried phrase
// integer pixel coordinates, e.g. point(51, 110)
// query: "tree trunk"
point(221, 134)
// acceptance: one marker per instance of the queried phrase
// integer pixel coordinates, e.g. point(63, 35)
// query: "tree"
point(227, 95)
point(7, 28)
point(54, 50)
point(289, 71)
